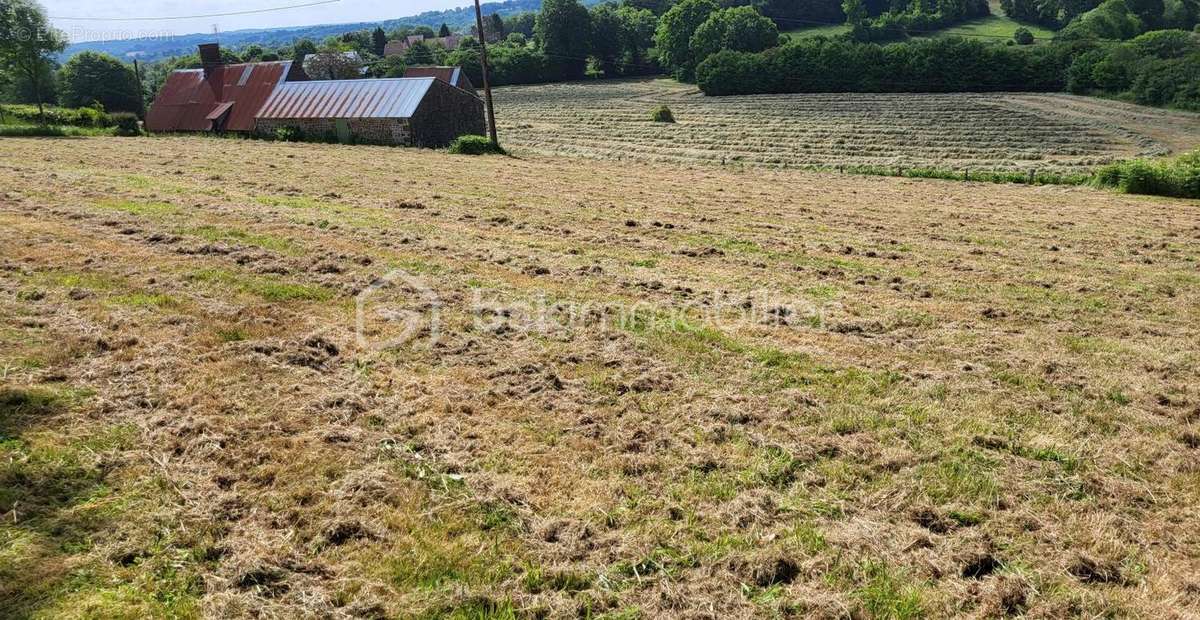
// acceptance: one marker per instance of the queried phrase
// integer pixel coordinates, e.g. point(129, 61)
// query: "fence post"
point(1032, 175)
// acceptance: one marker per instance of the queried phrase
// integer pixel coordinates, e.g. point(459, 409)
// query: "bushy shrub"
point(1166, 43)
point(289, 134)
point(475, 145)
point(1111, 20)
point(1079, 74)
point(31, 131)
point(1168, 82)
point(51, 131)
point(74, 117)
point(1180, 178)
point(126, 124)
point(662, 114)
point(734, 73)
point(1023, 36)
point(1188, 96)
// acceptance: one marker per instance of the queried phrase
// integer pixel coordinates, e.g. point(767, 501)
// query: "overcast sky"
point(118, 15)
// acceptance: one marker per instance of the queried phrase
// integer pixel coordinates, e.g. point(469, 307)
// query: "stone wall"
point(388, 131)
point(445, 113)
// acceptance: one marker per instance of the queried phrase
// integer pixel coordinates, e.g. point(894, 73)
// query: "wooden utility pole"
point(487, 87)
point(137, 72)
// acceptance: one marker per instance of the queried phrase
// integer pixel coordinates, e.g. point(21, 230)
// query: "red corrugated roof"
point(188, 98)
point(449, 75)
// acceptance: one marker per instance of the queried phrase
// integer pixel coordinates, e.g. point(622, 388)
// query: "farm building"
point(453, 76)
point(263, 97)
point(218, 97)
point(400, 46)
point(403, 111)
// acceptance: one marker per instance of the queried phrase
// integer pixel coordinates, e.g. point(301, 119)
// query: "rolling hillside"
point(150, 49)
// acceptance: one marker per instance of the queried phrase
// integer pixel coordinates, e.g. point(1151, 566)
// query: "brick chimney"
point(210, 57)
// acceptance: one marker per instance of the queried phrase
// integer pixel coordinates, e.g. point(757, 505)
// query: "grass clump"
point(662, 114)
point(19, 402)
point(268, 289)
point(134, 207)
point(126, 124)
point(1179, 178)
point(475, 145)
point(264, 241)
point(289, 134)
point(885, 594)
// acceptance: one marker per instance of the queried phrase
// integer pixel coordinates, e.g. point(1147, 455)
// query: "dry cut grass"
point(942, 399)
point(980, 132)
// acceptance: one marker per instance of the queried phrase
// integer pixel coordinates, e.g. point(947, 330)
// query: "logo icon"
point(396, 309)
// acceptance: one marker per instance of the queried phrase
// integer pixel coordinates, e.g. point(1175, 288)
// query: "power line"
point(205, 16)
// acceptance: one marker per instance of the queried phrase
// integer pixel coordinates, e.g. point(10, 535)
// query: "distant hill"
point(151, 49)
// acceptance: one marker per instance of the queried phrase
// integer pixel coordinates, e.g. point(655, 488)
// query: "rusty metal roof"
point(190, 97)
point(449, 75)
point(376, 98)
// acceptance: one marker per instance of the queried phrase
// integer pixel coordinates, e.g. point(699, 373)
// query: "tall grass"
point(985, 176)
point(51, 131)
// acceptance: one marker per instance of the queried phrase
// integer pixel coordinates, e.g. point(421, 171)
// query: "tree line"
point(1116, 48)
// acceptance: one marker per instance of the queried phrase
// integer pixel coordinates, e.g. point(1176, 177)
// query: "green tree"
point(1166, 44)
point(444, 31)
point(657, 7)
point(389, 67)
point(418, 54)
point(855, 10)
point(637, 37)
point(521, 22)
point(302, 48)
point(741, 29)
point(16, 88)
point(332, 64)
point(1023, 36)
point(253, 52)
point(1149, 11)
point(494, 27)
point(607, 44)
point(28, 44)
point(378, 41)
point(563, 28)
point(673, 36)
point(89, 77)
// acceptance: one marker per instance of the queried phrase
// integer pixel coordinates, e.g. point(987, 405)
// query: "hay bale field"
point(988, 131)
point(649, 391)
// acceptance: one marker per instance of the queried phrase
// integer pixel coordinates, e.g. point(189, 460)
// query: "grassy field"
point(634, 392)
point(832, 30)
point(996, 27)
point(1002, 131)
